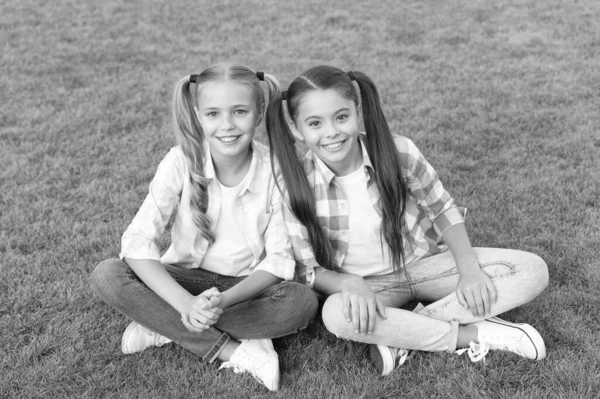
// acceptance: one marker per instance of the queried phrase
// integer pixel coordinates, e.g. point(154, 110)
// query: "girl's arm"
point(475, 290)
point(360, 304)
point(248, 288)
point(198, 312)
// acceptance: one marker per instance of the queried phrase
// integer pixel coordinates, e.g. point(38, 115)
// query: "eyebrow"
point(233, 106)
point(335, 113)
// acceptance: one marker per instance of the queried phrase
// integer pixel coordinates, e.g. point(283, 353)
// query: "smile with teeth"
point(333, 146)
point(228, 139)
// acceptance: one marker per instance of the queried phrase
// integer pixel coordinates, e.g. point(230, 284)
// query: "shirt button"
point(343, 206)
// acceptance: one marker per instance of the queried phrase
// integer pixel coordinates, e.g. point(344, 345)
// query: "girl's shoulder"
point(174, 159)
point(404, 144)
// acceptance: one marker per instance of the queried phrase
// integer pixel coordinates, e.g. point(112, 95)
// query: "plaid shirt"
point(429, 209)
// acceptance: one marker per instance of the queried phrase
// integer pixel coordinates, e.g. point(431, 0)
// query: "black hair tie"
point(351, 75)
point(284, 95)
point(260, 75)
point(194, 78)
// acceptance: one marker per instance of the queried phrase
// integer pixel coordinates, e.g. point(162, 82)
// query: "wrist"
point(184, 303)
point(225, 299)
point(350, 280)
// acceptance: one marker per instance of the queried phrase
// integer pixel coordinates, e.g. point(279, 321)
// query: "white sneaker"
point(498, 334)
point(387, 358)
point(257, 357)
point(137, 338)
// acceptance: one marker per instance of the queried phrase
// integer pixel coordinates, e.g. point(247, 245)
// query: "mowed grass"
point(502, 98)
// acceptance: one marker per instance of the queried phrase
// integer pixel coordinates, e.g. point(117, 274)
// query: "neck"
point(231, 170)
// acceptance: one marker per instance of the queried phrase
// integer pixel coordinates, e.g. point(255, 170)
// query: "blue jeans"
point(518, 277)
point(279, 310)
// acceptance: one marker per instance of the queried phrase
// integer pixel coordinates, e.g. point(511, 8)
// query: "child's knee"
point(540, 272)
point(333, 315)
point(302, 297)
point(104, 275)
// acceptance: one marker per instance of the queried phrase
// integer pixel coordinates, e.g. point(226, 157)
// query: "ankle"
point(466, 335)
point(228, 350)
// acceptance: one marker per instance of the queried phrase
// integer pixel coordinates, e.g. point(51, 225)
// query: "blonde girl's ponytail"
point(190, 137)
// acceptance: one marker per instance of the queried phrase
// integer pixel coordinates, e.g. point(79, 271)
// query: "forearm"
point(248, 288)
point(154, 275)
point(328, 282)
point(457, 240)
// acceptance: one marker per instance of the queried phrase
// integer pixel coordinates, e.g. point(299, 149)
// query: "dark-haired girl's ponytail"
point(388, 168)
point(300, 194)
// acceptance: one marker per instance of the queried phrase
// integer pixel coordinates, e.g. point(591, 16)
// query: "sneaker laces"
point(475, 351)
point(241, 364)
point(401, 357)
point(157, 339)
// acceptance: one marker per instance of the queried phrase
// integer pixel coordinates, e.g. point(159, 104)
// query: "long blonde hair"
point(189, 134)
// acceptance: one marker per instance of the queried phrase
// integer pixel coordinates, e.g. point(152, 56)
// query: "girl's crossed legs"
point(280, 310)
point(518, 277)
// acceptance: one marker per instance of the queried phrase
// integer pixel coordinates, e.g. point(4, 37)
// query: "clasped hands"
point(202, 311)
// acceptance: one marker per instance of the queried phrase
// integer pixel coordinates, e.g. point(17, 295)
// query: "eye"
point(314, 123)
point(211, 114)
point(342, 117)
point(240, 112)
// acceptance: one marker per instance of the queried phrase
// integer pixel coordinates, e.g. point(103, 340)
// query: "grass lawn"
point(502, 97)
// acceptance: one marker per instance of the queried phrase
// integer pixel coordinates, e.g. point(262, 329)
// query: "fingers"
point(487, 302)
point(493, 292)
point(380, 308)
point(364, 313)
point(346, 306)
point(461, 298)
point(372, 314)
point(191, 325)
point(476, 304)
point(211, 292)
point(356, 312)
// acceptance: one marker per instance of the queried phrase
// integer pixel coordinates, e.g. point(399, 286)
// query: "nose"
point(227, 122)
point(332, 131)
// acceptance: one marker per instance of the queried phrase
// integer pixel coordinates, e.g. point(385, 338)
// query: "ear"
point(295, 131)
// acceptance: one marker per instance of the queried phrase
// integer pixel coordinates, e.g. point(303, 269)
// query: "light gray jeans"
point(518, 277)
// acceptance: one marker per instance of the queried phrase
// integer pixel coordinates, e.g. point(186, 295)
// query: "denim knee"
point(300, 301)
point(105, 277)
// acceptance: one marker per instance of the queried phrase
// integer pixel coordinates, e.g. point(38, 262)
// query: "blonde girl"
point(222, 289)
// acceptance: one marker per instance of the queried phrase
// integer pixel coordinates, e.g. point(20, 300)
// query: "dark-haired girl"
point(371, 225)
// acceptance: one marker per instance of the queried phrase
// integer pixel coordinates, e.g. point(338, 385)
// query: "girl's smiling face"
point(328, 124)
point(228, 115)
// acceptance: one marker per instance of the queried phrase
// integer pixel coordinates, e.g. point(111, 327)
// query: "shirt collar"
point(251, 181)
point(327, 174)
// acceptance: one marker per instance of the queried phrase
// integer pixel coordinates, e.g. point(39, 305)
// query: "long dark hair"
point(379, 144)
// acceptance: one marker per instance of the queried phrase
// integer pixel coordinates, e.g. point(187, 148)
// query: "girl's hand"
point(361, 305)
point(476, 292)
point(203, 311)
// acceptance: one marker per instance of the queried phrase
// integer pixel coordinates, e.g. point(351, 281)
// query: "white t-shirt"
point(230, 249)
point(364, 256)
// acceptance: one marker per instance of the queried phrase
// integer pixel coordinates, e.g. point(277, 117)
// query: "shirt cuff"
point(452, 216)
point(138, 247)
point(278, 266)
